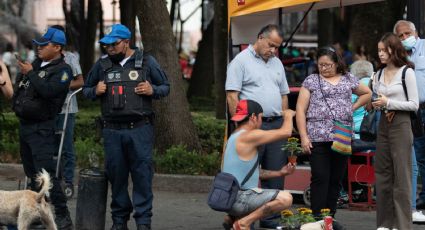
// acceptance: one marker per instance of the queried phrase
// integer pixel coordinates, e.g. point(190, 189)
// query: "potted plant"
point(292, 146)
point(289, 220)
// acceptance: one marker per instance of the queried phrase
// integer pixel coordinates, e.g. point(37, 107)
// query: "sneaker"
point(119, 227)
point(417, 216)
point(382, 228)
point(63, 221)
point(68, 190)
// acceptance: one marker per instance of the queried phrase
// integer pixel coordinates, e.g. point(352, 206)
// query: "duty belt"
point(126, 125)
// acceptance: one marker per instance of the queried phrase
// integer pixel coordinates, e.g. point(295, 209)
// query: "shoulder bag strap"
point(251, 171)
point(324, 98)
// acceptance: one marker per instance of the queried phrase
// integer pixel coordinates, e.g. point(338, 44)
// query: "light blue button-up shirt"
point(418, 58)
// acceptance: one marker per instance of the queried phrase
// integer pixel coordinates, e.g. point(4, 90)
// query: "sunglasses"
point(112, 45)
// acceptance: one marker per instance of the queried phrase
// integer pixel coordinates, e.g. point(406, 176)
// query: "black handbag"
point(224, 190)
point(369, 126)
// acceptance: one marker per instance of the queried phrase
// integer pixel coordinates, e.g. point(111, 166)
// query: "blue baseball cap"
point(52, 35)
point(118, 31)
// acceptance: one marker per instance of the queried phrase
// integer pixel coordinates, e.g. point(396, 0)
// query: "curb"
point(161, 182)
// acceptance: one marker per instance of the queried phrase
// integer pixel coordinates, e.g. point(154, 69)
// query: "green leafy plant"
point(292, 146)
point(293, 220)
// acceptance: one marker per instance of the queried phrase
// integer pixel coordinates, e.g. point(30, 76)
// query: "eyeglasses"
point(325, 65)
point(112, 45)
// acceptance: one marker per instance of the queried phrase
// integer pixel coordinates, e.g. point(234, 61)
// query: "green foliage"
point(210, 131)
point(292, 146)
point(88, 146)
point(201, 103)
point(178, 160)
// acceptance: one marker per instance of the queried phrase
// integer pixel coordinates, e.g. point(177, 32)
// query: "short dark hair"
point(266, 30)
point(334, 56)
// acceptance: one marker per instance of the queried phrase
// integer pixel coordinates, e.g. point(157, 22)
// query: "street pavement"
point(180, 203)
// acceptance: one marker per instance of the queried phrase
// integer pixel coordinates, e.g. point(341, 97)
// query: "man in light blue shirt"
point(257, 74)
point(415, 46)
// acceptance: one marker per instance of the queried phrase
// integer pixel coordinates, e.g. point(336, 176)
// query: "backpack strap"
point(403, 81)
point(138, 62)
point(250, 172)
point(380, 73)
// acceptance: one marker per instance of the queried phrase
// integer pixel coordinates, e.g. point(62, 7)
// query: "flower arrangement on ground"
point(292, 146)
point(294, 221)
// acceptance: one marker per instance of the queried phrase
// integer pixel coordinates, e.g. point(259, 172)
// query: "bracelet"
point(2, 84)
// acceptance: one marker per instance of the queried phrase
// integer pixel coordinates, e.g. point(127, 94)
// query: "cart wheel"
point(307, 196)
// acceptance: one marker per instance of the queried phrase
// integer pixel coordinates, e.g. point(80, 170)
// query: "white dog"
point(23, 207)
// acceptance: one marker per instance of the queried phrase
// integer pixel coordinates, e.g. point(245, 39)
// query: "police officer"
point(126, 81)
point(41, 90)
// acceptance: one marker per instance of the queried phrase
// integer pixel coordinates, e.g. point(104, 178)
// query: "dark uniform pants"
point(130, 151)
point(38, 147)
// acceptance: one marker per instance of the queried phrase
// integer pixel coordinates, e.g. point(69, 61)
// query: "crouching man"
point(253, 203)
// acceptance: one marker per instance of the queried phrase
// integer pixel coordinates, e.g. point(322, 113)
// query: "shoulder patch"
point(64, 77)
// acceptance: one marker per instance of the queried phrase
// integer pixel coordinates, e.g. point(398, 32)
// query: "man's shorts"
point(249, 200)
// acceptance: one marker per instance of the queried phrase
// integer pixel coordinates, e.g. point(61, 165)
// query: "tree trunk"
point(173, 11)
point(128, 16)
point(220, 39)
point(202, 80)
point(174, 124)
point(87, 45)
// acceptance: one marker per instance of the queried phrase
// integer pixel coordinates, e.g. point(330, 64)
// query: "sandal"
point(236, 225)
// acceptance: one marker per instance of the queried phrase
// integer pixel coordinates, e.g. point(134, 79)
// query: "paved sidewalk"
point(174, 209)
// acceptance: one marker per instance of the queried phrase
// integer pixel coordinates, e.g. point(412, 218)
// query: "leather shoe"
point(143, 227)
point(420, 204)
point(119, 227)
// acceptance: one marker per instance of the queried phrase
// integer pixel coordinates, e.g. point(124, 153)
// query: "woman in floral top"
point(323, 98)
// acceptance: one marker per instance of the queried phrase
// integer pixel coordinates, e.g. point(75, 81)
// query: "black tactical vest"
point(27, 102)
point(121, 103)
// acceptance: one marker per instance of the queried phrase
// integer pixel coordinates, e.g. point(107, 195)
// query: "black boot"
point(63, 221)
point(119, 227)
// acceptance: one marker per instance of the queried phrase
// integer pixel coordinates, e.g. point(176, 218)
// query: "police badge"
point(133, 75)
point(42, 74)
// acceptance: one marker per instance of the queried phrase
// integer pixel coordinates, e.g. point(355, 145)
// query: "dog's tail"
point(43, 180)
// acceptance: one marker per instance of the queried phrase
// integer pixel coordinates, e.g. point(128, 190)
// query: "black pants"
point(327, 171)
point(37, 148)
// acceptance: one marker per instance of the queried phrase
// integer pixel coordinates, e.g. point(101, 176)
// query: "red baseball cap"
point(245, 108)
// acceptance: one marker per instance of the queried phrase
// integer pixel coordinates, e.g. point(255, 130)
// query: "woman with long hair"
point(325, 97)
point(393, 162)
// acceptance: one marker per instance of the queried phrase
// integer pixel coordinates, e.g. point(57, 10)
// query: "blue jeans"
point(419, 144)
point(414, 179)
point(129, 151)
point(68, 146)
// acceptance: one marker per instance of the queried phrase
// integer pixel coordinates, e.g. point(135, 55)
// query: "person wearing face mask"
point(126, 80)
point(406, 32)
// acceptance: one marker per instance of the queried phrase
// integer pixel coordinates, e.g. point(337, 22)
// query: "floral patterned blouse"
point(320, 115)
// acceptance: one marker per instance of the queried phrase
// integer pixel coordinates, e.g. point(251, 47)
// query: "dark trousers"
point(393, 171)
point(37, 148)
point(327, 171)
point(129, 151)
point(272, 157)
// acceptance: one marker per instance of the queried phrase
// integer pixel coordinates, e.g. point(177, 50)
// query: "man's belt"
point(270, 119)
point(126, 125)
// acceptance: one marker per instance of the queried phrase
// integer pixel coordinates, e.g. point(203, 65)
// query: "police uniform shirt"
point(154, 73)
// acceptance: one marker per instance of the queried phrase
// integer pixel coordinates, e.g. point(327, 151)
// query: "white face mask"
point(409, 42)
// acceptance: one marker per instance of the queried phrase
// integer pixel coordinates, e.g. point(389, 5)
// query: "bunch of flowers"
point(293, 147)
point(294, 221)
